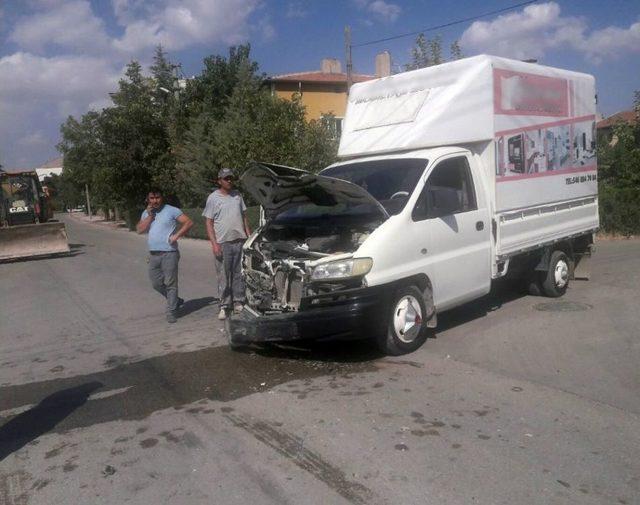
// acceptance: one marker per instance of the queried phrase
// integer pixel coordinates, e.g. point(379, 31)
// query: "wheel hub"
point(561, 273)
point(407, 319)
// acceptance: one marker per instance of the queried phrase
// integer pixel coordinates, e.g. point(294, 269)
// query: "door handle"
point(480, 225)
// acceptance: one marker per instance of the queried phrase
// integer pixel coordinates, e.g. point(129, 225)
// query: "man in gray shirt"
point(227, 228)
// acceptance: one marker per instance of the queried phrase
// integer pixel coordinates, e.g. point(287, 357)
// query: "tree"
point(83, 150)
point(137, 147)
point(159, 133)
point(428, 52)
point(210, 91)
point(619, 178)
point(455, 51)
point(255, 126)
point(64, 191)
point(419, 54)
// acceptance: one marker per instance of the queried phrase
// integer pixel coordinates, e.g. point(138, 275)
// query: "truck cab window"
point(449, 190)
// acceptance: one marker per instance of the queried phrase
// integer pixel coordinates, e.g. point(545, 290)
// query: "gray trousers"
point(230, 281)
point(163, 272)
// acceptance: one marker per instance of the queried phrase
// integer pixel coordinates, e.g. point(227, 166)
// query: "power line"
point(457, 22)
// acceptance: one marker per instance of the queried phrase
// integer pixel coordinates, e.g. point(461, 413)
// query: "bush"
point(620, 210)
point(199, 230)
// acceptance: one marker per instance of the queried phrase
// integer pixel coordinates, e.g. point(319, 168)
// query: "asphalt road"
point(518, 400)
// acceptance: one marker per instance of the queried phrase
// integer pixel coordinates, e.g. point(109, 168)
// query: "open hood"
point(277, 188)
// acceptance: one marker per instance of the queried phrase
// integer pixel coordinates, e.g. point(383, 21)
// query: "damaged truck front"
point(304, 278)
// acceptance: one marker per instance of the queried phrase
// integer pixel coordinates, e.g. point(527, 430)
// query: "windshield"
point(391, 182)
point(18, 190)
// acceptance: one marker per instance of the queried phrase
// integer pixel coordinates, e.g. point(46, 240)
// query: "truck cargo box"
point(532, 128)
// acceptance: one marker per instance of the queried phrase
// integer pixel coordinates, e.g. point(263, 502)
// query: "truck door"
point(453, 214)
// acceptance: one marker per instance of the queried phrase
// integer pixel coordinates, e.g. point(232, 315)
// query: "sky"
point(63, 57)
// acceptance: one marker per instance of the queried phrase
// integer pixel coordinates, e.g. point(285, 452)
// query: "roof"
point(317, 76)
point(18, 170)
point(54, 163)
point(625, 116)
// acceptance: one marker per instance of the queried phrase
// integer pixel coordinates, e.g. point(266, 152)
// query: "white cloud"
point(71, 25)
point(126, 11)
point(180, 24)
point(380, 9)
point(384, 10)
point(295, 10)
point(267, 30)
point(612, 40)
point(538, 28)
point(36, 95)
point(27, 78)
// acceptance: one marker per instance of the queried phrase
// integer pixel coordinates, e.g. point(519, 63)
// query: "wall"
point(318, 98)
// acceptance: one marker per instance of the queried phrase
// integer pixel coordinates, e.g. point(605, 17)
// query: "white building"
point(51, 167)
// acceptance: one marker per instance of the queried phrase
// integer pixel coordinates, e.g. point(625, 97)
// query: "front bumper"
point(353, 313)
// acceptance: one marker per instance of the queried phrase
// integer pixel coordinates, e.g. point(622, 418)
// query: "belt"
point(156, 253)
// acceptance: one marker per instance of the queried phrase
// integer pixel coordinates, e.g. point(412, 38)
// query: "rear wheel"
point(406, 328)
point(556, 280)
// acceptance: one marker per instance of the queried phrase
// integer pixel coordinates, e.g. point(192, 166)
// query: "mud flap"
point(32, 240)
point(432, 317)
point(582, 270)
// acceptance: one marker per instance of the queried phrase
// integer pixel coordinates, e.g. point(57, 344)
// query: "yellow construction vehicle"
point(26, 229)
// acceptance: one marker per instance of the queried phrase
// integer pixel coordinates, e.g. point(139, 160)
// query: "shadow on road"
point(195, 304)
point(172, 380)
point(42, 418)
point(75, 248)
point(352, 351)
point(502, 292)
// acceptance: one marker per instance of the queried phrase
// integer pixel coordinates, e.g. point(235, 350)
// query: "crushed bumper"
point(354, 313)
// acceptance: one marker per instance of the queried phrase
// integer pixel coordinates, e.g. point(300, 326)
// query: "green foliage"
point(619, 178)
point(159, 132)
point(619, 210)
point(65, 194)
point(210, 91)
point(255, 125)
point(455, 50)
point(428, 52)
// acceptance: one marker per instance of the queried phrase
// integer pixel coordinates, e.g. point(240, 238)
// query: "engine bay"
point(278, 263)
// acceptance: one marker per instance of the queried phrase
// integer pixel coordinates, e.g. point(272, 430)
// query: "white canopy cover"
point(461, 102)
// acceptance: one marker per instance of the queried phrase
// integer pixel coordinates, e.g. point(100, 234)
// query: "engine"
point(277, 264)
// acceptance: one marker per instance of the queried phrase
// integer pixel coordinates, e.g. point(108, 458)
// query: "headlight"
point(342, 269)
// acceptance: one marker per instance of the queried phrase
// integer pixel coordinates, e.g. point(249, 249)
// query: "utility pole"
point(349, 64)
point(86, 189)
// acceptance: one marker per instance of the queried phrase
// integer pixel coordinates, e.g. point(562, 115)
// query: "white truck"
point(449, 177)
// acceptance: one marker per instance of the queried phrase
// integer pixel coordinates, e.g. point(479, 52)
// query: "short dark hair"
point(154, 191)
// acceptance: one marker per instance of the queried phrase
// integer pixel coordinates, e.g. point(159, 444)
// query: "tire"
point(533, 283)
point(556, 279)
point(402, 335)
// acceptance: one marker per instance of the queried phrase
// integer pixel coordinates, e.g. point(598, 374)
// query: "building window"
point(334, 124)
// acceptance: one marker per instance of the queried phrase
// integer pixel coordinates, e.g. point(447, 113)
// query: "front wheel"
point(406, 327)
point(556, 280)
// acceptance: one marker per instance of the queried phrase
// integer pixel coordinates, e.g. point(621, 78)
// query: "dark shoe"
point(171, 318)
point(180, 302)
